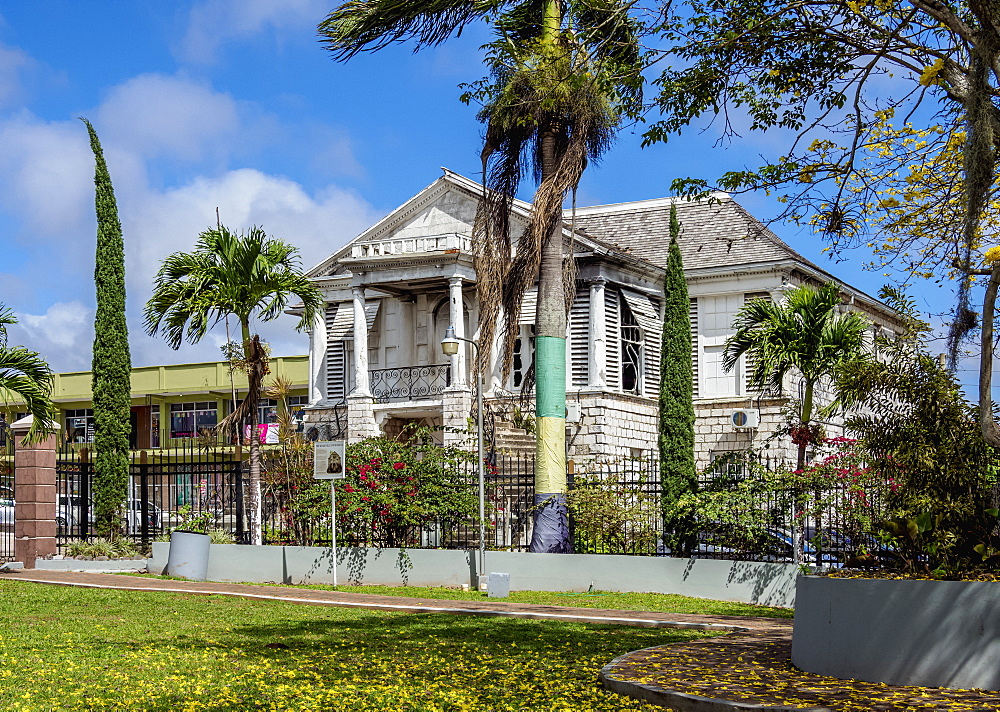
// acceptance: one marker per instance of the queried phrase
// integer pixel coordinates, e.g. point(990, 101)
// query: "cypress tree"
point(112, 365)
point(676, 402)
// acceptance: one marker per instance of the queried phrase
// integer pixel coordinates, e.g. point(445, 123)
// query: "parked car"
point(6, 511)
point(68, 514)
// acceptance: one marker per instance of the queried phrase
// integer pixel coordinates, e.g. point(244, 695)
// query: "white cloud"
point(13, 63)
point(44, 170)
point(153, 115)
point(145, 124)
point(62, 335)
point(215, 22)
point(317, 224)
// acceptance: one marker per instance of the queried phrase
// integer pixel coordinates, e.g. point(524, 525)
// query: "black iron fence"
point(167, 488)
point(616, 508)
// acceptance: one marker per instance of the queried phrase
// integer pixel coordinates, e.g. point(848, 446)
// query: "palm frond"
point(370, 25)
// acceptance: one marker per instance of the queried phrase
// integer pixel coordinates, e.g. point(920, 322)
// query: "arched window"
point(631, 351)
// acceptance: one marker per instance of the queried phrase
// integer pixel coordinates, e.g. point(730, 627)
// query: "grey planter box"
point(926, 633)
point(770, 584)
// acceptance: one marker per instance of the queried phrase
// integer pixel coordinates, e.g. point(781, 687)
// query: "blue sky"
point(219, 103)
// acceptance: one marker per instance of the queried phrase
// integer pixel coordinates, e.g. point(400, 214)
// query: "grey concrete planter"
point(926, 633)
point(189, 555)
point(771, 584)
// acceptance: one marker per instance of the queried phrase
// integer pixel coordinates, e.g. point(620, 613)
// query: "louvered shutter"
point(579, 337)
point(751, 363)
point(339, 328)
point(647, 315)
point(612, 320)
point(694, 345)
point(528, 306)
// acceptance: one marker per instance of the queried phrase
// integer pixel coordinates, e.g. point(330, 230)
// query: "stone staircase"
point(515, 441)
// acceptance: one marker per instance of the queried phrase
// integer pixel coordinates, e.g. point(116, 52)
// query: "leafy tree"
point(563, 74)
point(917, 429)
point(803, 334)
point(678, 474)
point(112, 367)
point(25, 376)
point(818, 71)
point(250, 276)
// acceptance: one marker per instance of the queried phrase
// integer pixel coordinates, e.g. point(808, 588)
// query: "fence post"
point(239, 494)
point(143, 498)
point(86, 473)
point(34, 495)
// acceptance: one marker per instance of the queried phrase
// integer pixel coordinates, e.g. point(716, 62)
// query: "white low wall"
point(745, 581)
point(925, 633)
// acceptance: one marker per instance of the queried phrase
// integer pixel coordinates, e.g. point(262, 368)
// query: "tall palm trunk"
point(551, 527)
point(551, 530)
point(256, 510)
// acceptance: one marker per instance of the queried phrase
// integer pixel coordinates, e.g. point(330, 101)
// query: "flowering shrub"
point(392, 489)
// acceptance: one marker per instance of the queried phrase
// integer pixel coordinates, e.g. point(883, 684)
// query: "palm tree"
point(563, 75)
point(804, 333)
point(248, 276)
point(24, 375)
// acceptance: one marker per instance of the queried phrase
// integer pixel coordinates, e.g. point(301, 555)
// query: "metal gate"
point(6, 496)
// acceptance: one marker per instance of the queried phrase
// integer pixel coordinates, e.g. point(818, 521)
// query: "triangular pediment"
point(444, 208)
point(443, 214)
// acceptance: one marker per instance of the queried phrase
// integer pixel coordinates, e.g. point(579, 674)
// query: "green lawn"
point(666, 602)
point(66, 648)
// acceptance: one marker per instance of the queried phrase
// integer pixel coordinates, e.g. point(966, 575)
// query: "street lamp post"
point(450, 345)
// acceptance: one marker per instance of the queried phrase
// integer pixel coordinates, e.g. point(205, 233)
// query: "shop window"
point(188, 419)
point(80, 425)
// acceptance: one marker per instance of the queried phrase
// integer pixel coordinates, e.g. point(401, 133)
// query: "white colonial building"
point(376, 360)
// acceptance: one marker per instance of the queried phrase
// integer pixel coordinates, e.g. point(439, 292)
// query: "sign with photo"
point(329, 459)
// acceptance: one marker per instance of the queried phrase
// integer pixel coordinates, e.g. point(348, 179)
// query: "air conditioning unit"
point(744, 418)
point(573, 414)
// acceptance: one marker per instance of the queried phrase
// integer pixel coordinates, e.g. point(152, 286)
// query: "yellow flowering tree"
point(892, 123)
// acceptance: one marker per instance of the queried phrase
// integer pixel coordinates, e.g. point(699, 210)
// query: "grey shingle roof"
point(713, 233)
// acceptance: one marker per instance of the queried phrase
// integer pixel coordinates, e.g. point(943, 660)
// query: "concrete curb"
point(92, 567)
point(681, 701)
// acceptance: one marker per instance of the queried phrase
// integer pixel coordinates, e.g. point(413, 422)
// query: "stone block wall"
point(611, 426)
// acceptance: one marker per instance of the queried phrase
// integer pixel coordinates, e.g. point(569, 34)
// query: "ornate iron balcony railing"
point(409, 382)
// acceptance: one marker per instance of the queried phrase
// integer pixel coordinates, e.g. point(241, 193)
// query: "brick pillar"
point(34, 496)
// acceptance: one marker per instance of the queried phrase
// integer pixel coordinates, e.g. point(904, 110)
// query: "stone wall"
point(611, 426)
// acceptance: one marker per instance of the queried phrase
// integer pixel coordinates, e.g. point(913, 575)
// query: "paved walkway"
point(319, 597)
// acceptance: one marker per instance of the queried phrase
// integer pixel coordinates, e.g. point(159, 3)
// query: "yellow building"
point(170, 404)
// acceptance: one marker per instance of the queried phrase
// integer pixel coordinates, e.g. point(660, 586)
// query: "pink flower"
point(366, 499)
point(363, 478)
point(348, 488)
point(399, 466)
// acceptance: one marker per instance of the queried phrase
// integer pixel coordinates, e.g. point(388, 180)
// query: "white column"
point(496, 377)
point(457, 316)
point(598, 365)
point(361, 386)
point(317, 357)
